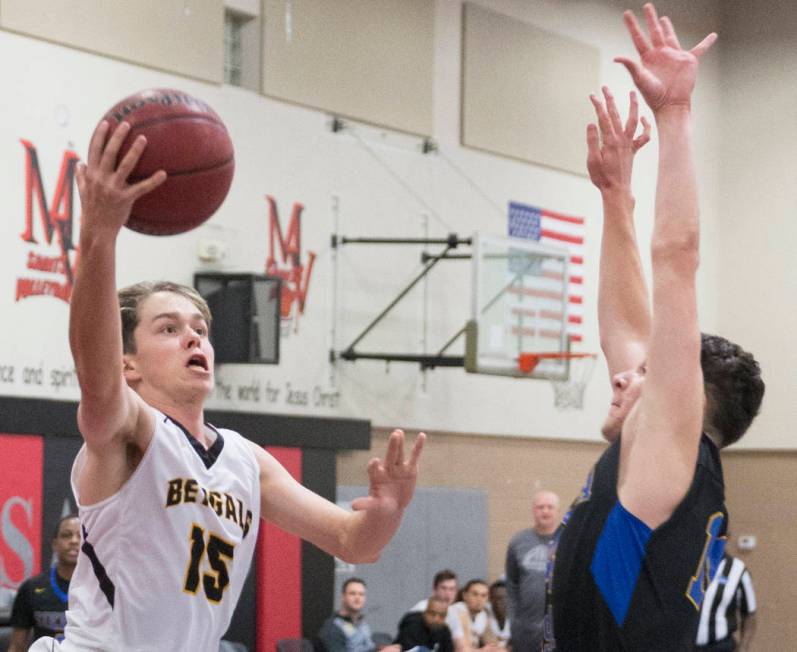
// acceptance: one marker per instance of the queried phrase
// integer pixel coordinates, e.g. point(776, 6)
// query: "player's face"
point(66, 544)
point(476, 597)
point(353, 599)
point(446, 590)
point(546, 511)
point(435, 614)
point(626, 389)
point(173, 353)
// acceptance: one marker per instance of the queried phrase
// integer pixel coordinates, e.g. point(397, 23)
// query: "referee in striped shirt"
point(729, 600)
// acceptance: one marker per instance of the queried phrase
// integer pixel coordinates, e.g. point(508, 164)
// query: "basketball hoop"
point(568, 389)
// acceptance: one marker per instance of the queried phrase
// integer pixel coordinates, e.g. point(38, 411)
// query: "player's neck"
point(190, 416)
point(65, 570)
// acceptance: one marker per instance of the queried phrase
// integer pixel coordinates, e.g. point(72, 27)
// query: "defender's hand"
point(610, 155)
point(665, 74)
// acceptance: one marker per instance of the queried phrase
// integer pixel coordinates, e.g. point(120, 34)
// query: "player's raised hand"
point(392, 480)
point(611, 145)
point(105, 195)
point(666, 73)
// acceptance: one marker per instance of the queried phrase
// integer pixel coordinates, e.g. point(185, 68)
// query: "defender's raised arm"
point(623, 304)
point(664, 433)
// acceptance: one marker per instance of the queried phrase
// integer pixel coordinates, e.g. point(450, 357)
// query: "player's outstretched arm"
point(107, 406)
point(662, 436)
point(623, 304)
point(357, 536)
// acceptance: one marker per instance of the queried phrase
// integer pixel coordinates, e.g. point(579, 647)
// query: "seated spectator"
point(426, 629)
point(40, 606)
point(346, 630)
point(497, 617)
point(472, 614)
point(444, 587)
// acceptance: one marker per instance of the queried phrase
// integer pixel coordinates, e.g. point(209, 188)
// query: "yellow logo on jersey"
point(188, 490)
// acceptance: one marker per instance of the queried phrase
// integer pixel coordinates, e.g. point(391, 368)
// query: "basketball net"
point(569, 391)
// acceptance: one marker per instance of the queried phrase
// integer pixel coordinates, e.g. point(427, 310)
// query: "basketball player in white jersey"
point(170, 505)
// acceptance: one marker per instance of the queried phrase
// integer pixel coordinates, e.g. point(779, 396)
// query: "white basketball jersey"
point(163, 560)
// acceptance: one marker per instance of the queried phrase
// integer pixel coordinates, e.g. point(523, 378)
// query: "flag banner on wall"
point(562, 231)
point(20, 508)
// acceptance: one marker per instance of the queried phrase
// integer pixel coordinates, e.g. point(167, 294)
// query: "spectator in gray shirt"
point(526, 559)
point(346, 630)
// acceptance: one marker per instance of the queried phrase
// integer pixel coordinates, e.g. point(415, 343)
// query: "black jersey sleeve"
point(22, 611)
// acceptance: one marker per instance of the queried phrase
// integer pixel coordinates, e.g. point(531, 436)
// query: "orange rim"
point(527, 362)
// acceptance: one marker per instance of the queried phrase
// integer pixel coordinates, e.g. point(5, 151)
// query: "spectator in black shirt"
point(41, 601)
point(426, 629)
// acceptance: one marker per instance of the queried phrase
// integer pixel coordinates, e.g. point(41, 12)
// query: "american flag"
point(564, 232)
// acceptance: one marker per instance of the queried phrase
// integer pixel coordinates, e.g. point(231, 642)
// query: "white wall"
point(288, 152)
point(758, 240)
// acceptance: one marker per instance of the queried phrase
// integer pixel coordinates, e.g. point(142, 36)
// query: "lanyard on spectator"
point(57, 589)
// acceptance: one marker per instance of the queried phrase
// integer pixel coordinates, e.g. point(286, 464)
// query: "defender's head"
point(732, 383)
point(734, 389)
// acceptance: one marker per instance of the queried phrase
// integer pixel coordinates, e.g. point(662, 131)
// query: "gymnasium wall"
point(759, 491)
point(758, 240)
point(62, 73)
point(363, 181)
point(180, 36)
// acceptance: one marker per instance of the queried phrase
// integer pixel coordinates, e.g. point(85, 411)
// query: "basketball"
point(188, 140)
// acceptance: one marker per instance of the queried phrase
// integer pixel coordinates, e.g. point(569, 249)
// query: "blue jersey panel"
point(618, 558)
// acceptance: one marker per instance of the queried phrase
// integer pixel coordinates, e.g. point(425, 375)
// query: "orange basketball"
point(188, 140)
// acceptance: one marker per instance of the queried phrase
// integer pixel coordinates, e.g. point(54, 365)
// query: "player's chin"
point(611, 429)
point(203, 386)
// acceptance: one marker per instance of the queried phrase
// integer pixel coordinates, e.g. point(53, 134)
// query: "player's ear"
point(129, 369)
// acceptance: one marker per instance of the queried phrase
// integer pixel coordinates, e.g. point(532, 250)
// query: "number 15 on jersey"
point(219, 553)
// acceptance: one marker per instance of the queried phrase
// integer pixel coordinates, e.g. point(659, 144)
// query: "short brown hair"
point(131, 297)
point(734, 388)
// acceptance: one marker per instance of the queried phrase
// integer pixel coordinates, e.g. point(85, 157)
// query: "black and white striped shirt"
point(730, 591)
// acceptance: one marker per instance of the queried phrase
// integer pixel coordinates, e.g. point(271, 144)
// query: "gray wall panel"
point(524, 90)
point(442, 528)
point(371, 60)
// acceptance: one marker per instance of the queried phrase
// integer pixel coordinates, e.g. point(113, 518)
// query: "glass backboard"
point(519, 305)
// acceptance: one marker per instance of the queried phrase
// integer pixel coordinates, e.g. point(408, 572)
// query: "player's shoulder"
point(239, 441)
point(708, 459)
point(243, 448)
